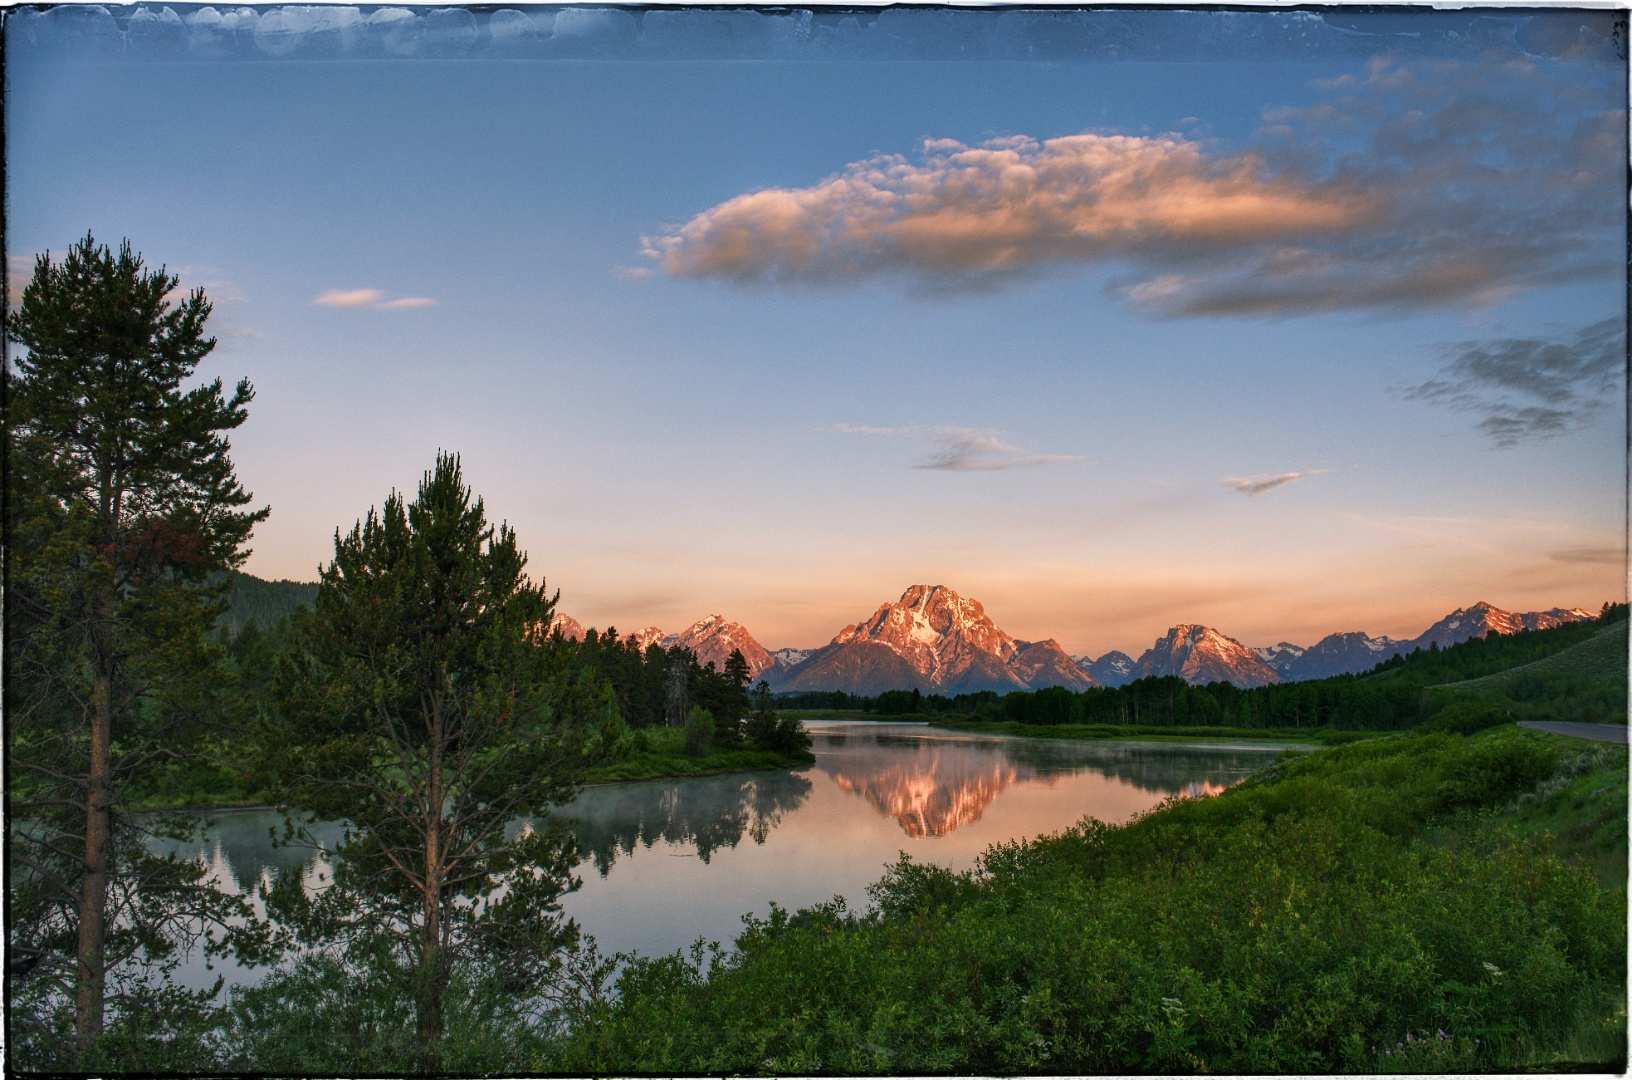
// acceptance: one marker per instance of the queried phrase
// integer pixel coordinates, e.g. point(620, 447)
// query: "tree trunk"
point(431, 980)
point(93, 904)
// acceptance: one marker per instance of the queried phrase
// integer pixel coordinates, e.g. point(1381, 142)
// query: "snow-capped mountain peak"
point(934, 639)
point(1200, 654)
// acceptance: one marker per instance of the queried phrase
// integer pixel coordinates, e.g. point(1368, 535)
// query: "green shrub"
point(1464, 717)
point(699, 731)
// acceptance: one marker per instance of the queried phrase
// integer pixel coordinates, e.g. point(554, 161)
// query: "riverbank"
point(664, 756)
point(1157, 732)
point(1412, 903)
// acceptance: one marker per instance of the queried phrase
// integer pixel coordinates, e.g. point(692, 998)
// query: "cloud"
point(370, 298)
point(1007, 207)
point(1257, 485)
point(961, 449)
point(1528, 389)
point(1608, 556)
point(1401, 187)
point(349, 298)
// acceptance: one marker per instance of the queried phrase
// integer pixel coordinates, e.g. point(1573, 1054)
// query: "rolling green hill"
point(1602, 656)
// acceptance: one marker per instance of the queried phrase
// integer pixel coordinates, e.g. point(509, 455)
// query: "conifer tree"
point(421, 705)
point(123, 506)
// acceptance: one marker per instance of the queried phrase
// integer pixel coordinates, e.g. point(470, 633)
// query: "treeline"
point(822, 699)
point(1390, 697)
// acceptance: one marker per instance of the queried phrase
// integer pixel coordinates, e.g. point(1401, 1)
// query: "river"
point(668, 861)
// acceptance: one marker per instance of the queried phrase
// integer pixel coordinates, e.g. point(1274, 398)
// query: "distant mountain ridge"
point(1355, 651)
point(934, 640)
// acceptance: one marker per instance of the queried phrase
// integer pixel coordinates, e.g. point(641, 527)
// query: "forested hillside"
point(255, 600)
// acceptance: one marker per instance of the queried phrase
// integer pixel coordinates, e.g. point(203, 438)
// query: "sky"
point(1285, 323)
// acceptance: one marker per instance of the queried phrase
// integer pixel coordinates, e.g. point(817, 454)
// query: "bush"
point(1466, 717)
point(699, 731)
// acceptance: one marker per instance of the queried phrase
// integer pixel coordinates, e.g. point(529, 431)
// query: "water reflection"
point(705, 813)
point(932, 783)
point(242, 850)
point(680, 859)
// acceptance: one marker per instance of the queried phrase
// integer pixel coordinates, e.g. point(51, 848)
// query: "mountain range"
point(933, 640)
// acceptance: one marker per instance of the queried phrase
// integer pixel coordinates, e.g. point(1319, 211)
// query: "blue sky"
point(680, 420)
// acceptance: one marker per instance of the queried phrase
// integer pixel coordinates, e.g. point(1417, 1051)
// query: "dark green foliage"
point(421, 707)
point(1319, 918)
point(898, 702)
point(1468, 715)
point(822, 699)
point(779, 732)
point(123, 512)
point(253, 601)
point(699, 731)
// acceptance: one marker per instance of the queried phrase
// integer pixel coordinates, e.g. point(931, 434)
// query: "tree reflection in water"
point(708, 813)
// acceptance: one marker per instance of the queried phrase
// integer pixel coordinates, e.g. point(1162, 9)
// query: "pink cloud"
point(349, 298)
point(370, 298)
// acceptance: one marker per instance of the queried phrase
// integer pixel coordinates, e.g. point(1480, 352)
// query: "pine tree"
point(734, 705)
point(123, 507)
point(424, 708)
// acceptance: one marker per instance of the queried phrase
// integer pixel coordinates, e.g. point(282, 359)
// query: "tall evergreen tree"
point(422, 707)
point(123, 506)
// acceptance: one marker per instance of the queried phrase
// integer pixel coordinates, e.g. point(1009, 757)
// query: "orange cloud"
point(1414, 186)
point(1009, 205)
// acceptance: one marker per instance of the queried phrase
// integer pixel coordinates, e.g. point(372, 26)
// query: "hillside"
point(1490, 655)
point(1602, 656)
point(256, 600)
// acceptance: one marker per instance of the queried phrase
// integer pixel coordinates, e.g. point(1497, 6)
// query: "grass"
point(665, 755)
point(1158, 732)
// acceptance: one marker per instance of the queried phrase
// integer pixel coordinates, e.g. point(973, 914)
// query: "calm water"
point(667, 861)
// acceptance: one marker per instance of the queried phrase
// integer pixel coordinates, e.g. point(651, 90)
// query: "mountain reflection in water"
point(932, 785)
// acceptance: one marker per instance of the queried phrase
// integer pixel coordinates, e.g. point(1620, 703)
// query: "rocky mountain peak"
point(1200, 654)
point(713, 637)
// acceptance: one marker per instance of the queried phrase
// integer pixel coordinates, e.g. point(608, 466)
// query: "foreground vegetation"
point(1427, 902)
